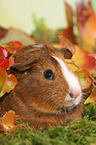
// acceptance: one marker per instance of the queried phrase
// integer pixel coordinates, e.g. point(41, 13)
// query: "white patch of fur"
point(68, 98)
point(72, 81)
point(78, 99)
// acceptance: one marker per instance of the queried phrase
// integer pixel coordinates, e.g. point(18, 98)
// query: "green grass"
point(80, 132)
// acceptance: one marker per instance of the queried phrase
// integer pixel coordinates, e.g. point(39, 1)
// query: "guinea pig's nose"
point(71, 95)
point(74, 94)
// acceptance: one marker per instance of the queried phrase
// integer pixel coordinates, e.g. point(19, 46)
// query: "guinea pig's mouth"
point(66, 109)
point(71, 104)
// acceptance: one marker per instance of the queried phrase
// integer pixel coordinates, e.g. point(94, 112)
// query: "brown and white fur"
point(42, 101)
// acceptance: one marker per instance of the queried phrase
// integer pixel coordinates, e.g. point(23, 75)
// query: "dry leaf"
point(7, 122)
point(92, 97)
point(69, 14)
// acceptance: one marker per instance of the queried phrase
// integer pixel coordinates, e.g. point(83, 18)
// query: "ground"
point(81, 132)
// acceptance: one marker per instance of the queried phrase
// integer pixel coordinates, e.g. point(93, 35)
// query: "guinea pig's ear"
point(26, 58)
point(20, 67)
point(17, 67)
point(67, 53)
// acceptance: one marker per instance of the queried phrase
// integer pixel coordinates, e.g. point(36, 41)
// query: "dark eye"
point(48, 74)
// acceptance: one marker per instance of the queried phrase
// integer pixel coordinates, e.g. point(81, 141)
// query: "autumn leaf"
point(82, 73)
point(87, 26)
point(94, 75)
point(85, 81)
point(13, 46)
point(69, 14)
point(8, 121)
point(4, 62)
point(92, 97)
point(7, 82)
point(83, 60)
point(11, 62)
point(66, 43)
point(93, 55)
point(68, 32)
point(3, 32)
point(3, 52)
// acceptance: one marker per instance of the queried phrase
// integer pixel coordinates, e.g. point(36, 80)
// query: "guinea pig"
point(48, 92)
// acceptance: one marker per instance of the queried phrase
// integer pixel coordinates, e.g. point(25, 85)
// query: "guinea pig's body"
point(48, 92)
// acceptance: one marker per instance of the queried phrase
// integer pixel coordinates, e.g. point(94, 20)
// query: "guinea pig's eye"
point(48, 74)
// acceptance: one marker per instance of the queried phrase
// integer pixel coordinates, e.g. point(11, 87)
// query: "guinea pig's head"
point(45, 81)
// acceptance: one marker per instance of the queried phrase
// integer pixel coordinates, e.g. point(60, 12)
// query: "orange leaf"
point(8, 121)
point(85, 83)
point(83, 60)
point(87, 26)
point(13, 46)
point(82, 73)
point(7, 82)
point(69, 14)
point(84, 78)
point(11, 62)
point(66, 43)
point(68, 33)
point(92, 97)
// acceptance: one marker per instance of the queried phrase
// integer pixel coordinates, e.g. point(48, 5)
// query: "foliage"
point(86, 19)
point(82, 64)
point(13, 47)
point(2, 32)
point(79, 132)
point(7, 122)
point(84, 40)
point(7, 81)
point(85, 26)
point(42, 33)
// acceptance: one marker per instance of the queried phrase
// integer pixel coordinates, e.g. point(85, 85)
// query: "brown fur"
point(35, 99)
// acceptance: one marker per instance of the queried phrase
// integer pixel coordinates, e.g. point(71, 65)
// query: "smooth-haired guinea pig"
point(48, 92)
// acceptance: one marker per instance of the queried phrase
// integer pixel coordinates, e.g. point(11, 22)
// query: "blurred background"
point(18, 13)
point(41, 21)
point(59, 23)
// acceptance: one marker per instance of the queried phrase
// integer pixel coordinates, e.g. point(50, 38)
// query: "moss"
point(79, 132)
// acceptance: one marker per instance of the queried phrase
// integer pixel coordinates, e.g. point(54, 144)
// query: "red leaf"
point(3, 52)
point(66, 43)
point(11, 61)
point(83, 14)
point(13, 46)
point(68, 33)
point(4, 62)
point(93, 55)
